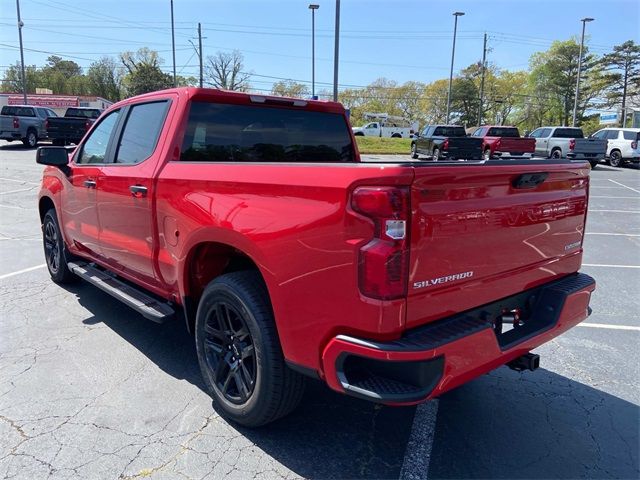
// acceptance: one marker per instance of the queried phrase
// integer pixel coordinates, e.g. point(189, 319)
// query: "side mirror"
point(53, 156)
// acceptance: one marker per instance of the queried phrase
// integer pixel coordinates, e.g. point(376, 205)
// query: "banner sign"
point(44, 101)
point(609, 117)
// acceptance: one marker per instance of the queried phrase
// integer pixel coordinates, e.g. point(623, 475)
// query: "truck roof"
point(229, 96)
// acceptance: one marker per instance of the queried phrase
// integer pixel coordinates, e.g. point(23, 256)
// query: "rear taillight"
point(383, 263)
point(445, 145)
point(634, 145)
point(498, 144)
point(87, 124)
point(16, 122)
point(572, 144)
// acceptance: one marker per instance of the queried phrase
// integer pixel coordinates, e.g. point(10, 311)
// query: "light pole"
point(453, 53)
point(336, 53)
point(173, 46)
point(575, 104)
point(24, 78)
point(313, 7)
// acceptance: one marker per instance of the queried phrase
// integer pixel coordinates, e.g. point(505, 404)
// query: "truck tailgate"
point(483, 232)
point(517, 145)
point(590, 146)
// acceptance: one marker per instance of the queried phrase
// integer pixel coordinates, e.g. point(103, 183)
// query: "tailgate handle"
point(529, 180)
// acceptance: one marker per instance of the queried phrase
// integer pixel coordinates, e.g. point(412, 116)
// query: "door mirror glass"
point(53, 156)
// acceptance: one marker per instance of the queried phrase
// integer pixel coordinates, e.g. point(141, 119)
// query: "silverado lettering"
point(253, 219)
point(448, 278)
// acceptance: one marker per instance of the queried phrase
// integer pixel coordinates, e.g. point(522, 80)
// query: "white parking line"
point(622, 185)
point(605, 196)
point(609, 326)
point(615, 211)
point(418, 453)
point(609, 266)
point(36, 184)
point(24, 270)
point(614, 234)
point(17, 191)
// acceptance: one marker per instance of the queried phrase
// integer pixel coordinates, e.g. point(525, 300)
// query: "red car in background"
point(502, 141)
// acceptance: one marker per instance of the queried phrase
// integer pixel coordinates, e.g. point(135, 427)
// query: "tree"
point(554, 74)
point(144, 73)
point(289, 88)
point(104, 79)
point(622, 67)
point(226, 71)
point(12, 81)
point(63, 76)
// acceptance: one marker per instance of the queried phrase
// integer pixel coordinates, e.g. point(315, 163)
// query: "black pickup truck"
point(72, 127)
point(446, 142)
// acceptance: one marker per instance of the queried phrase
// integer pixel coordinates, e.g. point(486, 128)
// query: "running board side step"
point(147, 306)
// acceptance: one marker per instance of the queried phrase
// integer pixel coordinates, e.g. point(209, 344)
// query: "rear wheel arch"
point(206, 261)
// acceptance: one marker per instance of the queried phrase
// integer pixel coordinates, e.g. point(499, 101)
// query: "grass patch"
point(382, 145)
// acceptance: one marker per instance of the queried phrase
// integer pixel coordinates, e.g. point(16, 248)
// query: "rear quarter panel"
point(294, 222)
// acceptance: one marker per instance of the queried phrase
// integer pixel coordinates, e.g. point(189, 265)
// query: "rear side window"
point(503, 132)
point(141, 132)
point(247, 133)
point(450, 132)
point(631, 135)
point(568, 133)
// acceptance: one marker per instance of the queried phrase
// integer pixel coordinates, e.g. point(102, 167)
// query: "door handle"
point(138, 191)
point(90, 183)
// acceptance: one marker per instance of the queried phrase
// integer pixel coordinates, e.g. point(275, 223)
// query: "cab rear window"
point(246, 133)
point(17, 111)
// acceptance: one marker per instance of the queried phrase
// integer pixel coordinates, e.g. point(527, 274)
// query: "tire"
point(486, 155)
point(55, 251)
point(396, 135)
point(31, 140)
point(358, 134)
point(594, 163)
point(556, 153)
point(436, 154)
point(615, 158)
point(414, 151)
point(239, 352)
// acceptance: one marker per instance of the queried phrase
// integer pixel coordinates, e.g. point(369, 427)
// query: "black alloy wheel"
point(230, 352)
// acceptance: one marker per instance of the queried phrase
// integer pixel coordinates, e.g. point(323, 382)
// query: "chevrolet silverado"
point(254, 220)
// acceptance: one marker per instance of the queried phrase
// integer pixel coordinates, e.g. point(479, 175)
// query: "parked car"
point(385, 126)
point(622, 145)
point(25, 123)
point(499, 140)
point(558, 142)
point(446, 142)
point(72, 127)
point(254, 217)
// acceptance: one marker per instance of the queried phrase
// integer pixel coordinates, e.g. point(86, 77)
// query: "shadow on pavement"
point(536, 425)
point(328, 436)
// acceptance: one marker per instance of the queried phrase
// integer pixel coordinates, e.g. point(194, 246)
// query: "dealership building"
point(57, 103)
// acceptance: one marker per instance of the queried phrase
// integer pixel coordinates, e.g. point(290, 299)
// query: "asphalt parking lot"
point(89, 389)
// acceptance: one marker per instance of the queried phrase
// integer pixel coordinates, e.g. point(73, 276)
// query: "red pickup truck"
point(501, 141)
point(254, 219)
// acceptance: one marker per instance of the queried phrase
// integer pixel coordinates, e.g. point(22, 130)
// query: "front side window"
point(95, 147)
point(248, 133)
point(141, 132)
point(600, 134)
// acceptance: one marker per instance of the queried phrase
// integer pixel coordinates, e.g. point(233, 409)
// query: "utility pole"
point(336, 53)
point(24, 77)
point(453, 54)
point(200, 51)
point(575, 103)
point(313, 7)
point(173, 46)
point(484, 67)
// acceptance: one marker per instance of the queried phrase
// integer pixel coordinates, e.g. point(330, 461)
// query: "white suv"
point(622, 144)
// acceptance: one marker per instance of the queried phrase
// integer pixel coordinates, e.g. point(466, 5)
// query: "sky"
point(399, 40)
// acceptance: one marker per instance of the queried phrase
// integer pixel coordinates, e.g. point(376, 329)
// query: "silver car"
point(622, 145)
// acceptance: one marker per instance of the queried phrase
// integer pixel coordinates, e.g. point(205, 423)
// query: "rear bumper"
point(432, 359)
